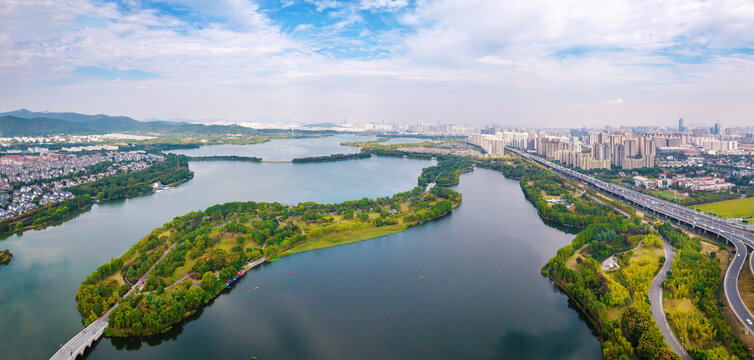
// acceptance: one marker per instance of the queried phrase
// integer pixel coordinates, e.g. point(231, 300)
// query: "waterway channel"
point(480, 295)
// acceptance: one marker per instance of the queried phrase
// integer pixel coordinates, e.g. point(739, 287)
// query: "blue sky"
point(522, 63)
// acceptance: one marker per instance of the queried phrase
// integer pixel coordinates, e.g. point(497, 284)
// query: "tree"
point(131, 273)
point(209, 281)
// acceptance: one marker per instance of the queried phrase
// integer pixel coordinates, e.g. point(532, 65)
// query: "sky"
point(531, 63)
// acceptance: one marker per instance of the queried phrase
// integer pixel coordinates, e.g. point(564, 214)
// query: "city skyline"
point(543, 64)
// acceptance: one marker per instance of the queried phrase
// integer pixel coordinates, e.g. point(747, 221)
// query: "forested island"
point(189, 259)
point(5, 256)
point(333, 157)
point(225, 158)
point(172, 171)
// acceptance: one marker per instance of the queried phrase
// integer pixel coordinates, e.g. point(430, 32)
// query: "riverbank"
point(213, 244)
point(625, 324)
point(172, 172)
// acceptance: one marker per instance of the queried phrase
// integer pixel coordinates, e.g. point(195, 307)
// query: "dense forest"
point(189, 259)
point(174, 170)
point(333, 157)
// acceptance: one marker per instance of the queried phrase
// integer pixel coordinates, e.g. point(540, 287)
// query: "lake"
point(481, 295)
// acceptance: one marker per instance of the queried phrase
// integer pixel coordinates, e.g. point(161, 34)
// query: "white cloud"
point(390, 5)
point(460, 61)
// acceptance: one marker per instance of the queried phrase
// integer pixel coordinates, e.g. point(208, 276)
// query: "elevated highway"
point(739, 236)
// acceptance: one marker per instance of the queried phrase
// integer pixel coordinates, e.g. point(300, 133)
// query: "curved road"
point(655, 302)
point(736, 234)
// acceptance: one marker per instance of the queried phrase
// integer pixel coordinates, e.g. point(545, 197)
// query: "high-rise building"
point(680, 125)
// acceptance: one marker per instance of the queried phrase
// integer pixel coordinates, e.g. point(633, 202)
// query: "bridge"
point(276, 161)
point(84, 339)
point(87, 337)
point(738, 235)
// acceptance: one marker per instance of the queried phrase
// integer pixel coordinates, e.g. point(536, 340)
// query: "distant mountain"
point(29, 123)
point(15, 126)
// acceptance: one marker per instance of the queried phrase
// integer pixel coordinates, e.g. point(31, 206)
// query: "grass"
point(730, 208)
point(615, 313)
point(365, 232)
point(649, 251)
point(571, 261)
point(682, 305)
point(667, 195)
point(117, 277)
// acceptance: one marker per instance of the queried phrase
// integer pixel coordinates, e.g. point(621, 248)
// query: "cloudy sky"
point(520, 62)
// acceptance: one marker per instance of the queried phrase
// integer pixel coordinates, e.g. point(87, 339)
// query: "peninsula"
point(187, 262)
point(333, 157)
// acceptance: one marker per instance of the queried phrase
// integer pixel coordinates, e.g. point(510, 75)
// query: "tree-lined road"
point(739, 236)
point(655, 301)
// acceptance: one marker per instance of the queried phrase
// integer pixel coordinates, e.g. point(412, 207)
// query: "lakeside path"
point(655, 301)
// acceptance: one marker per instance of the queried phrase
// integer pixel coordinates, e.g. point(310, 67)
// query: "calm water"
point(364, 300)
point(282, 149)
point(403, 140)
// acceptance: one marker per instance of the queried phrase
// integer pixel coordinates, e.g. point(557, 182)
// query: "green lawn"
point(730, 208)
point(667, 195)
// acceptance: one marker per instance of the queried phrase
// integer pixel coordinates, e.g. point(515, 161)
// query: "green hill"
point(28, 123)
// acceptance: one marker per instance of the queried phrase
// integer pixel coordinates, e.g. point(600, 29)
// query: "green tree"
point(209, 281)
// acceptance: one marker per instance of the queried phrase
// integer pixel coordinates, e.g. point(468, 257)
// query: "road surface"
point(740, 236)
point(655, 301)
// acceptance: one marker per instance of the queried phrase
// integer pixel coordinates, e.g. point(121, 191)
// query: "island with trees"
point(333, 157)
point(189, 260)
point(5, 256)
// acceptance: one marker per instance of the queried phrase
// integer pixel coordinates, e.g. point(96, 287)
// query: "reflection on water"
point(481, 295)
point(282, 149)
point(464, 286)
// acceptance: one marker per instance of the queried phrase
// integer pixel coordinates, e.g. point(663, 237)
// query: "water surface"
point(282, 149)
point(481, 295)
